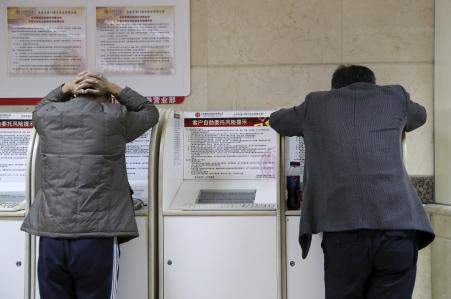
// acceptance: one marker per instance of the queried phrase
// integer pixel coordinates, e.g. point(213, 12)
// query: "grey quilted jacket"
point(84, 188)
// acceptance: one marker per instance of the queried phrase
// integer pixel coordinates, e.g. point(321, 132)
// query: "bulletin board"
point(144, 44)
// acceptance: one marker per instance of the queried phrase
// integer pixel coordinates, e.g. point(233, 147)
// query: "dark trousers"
point(370, 264)
point(85, 268)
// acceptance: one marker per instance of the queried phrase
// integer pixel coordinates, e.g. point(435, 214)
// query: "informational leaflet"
point(137, 40)
point(137, 162)
point(294, 151)
point(177, 140)
point(229, 145)
point(46, 40)
point(137, 157)
point(15, 131)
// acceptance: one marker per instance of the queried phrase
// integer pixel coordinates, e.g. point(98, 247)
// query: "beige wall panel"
point(442, 101)
point(197, 100)
point(272, 87)
point(442, 226)
point(199, 32)
point(223, 86)
point(387, 30)
point(284, 86)
point(417, 79)
point(422, 288)
point(273, 32)
point(441, 268)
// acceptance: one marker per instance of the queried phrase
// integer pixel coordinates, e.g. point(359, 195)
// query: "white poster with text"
point(136, 40)
point(15, 132)
point(47, 40)
point(229, 145)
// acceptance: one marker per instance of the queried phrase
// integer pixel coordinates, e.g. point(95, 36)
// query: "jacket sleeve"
point(55, 95)
point(289, 122)
point(416, 115)
point(140, 116)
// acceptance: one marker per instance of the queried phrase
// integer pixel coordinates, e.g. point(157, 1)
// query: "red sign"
point(34, 101)
point(226, 122)
point(166, 100)
point(19, 101)
point(15, 124)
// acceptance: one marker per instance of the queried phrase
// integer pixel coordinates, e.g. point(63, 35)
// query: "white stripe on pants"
point(115, 274)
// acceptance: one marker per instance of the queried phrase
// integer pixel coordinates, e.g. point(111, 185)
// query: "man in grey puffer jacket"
point(84, 208)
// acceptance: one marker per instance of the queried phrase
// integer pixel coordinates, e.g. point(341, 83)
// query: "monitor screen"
point(12, 196)
point(215, 196)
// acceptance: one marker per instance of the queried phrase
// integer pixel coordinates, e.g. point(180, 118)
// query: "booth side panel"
point(220, 257)
point(133, 275)
point(12, 259)
point(133, 262)
point(305, 278)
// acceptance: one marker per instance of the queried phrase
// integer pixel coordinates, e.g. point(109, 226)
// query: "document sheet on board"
point(137, 162)
point(46, 40)
point(229, 145)
point(135, 39)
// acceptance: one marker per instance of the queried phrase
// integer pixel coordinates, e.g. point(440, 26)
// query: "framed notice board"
point(139, 43)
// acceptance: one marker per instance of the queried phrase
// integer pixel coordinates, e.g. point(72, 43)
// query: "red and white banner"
point(33, 101)
point(229, 145)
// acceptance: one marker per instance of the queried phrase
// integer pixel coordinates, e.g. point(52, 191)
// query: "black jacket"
point(354, 174)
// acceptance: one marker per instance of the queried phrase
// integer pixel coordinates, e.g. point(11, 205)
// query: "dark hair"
point(345, 75)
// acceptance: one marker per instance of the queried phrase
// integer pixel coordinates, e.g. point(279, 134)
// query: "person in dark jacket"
point(83, 208)
point(356, 188)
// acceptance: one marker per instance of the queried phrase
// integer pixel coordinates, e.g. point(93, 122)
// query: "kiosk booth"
point(137, 264)
point(302, 278)
point(219, 216)
point(214, 224)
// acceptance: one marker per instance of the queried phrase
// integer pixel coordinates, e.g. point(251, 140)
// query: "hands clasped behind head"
point(86, 83)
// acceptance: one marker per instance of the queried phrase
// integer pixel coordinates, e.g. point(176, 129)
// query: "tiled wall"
point(441, 251)
point(258, 54)
point(265, 54)
point(423, 289)
point(442, 103)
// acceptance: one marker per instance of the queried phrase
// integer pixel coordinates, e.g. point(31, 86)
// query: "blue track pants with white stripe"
point(84, 268)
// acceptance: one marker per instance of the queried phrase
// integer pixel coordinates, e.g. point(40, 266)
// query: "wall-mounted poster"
point(46, 40)
point(144, 44)
point(138, 39)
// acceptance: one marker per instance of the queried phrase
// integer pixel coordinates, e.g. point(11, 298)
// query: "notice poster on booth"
point(135, 40)
point(15, 132)
point(46, 40)
point(137, 163)
point(229, 145)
